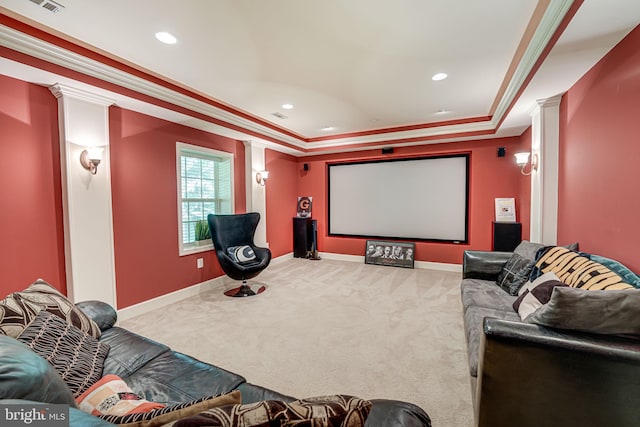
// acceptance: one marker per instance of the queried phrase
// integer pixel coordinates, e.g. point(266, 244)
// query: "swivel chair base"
point(245, 290)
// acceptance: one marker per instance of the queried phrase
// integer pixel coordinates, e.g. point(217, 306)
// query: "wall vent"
point(50, 5)
point(279, 115)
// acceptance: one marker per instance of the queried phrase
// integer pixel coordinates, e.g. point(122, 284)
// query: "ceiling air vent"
point(50, 5)
point(279, 115)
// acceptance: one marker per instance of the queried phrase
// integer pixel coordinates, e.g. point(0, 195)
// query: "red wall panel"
point(281, 195)
point(490, 177)
point(145, 212)
point(31, 223)
point(599, 157)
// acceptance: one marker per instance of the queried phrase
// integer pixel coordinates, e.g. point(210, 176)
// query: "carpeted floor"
point(328, 327)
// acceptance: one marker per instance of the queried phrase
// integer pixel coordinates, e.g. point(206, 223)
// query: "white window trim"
point(196, 149)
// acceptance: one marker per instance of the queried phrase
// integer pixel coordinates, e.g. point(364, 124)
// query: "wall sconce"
point(91, 158)
point(261, 177)
point(523, 158)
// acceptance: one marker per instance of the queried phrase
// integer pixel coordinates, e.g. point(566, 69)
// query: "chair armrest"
point(100, 312)
point(483, 265)
point(545, 376)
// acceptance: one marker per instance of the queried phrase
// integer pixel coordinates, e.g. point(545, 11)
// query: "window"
point(205, 185)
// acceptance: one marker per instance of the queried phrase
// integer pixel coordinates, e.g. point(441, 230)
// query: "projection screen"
point(415, 199)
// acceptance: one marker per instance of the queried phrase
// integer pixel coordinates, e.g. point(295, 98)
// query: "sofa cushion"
point(174, 377)
point(171, 413)
point(577, 271)
point(18, 309)
point(326, 411)
point(74, 354)
point(25, 375)
point(601, 312)
point(515, 273)
point(485, 293)
point(129, 351)
point(473, 320)
point(159, 374)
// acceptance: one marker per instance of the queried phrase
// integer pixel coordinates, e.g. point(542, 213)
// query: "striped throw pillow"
point(578, 271)
point(74, 354)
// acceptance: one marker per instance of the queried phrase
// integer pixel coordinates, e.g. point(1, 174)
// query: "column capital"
point(540, 104)
point(59, 90)
point(553, 101)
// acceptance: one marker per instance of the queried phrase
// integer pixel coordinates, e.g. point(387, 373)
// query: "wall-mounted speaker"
point(387, 150)
point(305, 166)
point(501, 151)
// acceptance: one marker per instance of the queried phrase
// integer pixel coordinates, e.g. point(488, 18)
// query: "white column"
point(545, 143)
point(88, 227)
point(256, 193)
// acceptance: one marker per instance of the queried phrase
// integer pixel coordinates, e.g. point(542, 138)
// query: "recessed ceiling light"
point(439, 76)
point(327, 128)
point(442, 111)
point(287, 106)
point(165, 37)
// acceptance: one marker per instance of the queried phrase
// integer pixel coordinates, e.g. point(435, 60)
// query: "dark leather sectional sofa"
point(529, 375)
point(160, 374)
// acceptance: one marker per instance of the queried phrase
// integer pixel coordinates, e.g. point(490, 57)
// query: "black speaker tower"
point(506, 236)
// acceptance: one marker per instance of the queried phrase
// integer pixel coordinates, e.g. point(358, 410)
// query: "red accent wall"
point(145, 213)
point(282, 195)
point(599, 203)
point(31, 223)
point(490, 177)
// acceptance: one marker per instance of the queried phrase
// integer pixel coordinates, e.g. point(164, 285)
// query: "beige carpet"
point(329, 327)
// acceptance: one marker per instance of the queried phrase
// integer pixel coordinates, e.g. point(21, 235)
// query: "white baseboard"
point(163, 300)
point(170, 298)
point(282, 258)
point(222, 281)
point(443, 266)
point(418, 264)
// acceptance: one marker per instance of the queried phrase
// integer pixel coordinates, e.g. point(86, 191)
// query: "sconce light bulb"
point(261, 177)
point(91, 158)
point(522, 158)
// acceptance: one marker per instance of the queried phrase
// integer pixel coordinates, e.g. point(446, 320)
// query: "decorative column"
point(86, 198)
point(256, 193)
point(545, 143)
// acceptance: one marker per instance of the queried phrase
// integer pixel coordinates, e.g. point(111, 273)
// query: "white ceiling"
point(356, 65)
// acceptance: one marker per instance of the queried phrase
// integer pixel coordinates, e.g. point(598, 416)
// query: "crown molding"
point(551, 20)
point(37, 48)
point(209, 112)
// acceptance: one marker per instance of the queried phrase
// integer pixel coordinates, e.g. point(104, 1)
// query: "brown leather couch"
point(530, 375)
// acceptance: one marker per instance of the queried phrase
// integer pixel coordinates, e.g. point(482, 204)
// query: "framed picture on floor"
point(395, 254)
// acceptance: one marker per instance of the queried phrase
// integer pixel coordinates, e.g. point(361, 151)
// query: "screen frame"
point(466, 156)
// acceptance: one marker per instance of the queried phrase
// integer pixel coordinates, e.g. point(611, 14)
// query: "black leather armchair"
point(233, 231)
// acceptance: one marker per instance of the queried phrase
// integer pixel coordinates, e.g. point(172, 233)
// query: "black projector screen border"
point(418, 170)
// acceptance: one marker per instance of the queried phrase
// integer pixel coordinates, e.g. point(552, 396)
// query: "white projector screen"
point(416, 199)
